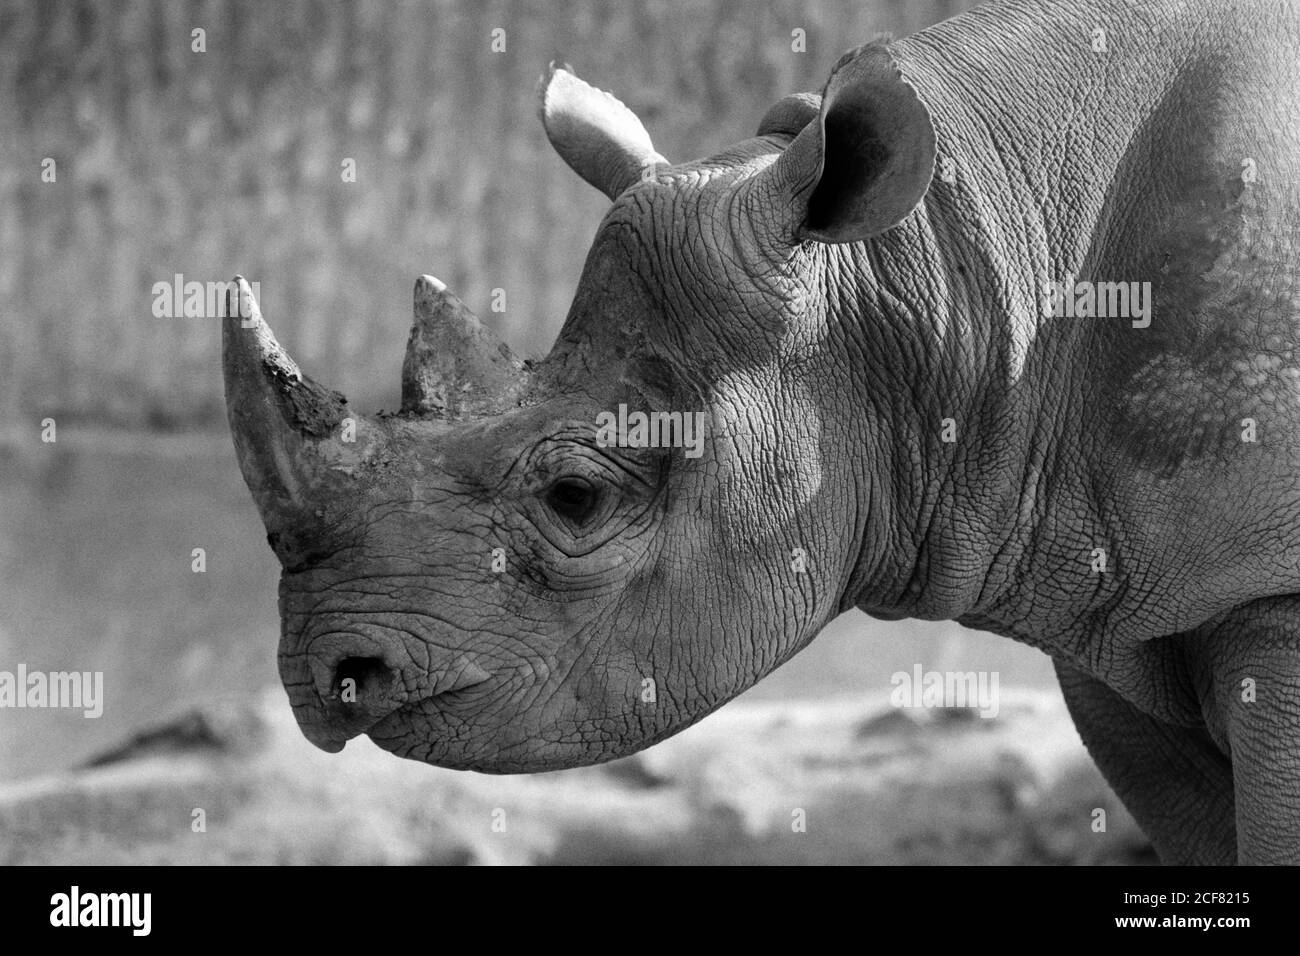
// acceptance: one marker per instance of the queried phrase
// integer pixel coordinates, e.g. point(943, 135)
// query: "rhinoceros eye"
point(574, 499)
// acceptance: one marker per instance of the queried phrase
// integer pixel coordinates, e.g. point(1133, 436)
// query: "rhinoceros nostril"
point(366, 681)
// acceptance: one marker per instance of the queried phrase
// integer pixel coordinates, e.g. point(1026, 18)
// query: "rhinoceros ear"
point(790, 114)
point(867, 160)
point(599, 137)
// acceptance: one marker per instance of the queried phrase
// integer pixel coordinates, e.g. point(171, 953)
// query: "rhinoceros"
point(998, 328)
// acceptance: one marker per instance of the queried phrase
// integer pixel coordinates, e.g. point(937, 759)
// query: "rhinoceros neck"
point(988, 417)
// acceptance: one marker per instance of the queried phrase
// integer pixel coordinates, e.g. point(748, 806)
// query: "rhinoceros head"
point(517, 571)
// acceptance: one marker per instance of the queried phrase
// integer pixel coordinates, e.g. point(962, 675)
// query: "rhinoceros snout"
point(367, 682)
point(352, 682)
point(346, 683)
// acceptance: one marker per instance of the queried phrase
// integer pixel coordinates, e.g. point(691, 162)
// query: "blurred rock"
point(213, 730)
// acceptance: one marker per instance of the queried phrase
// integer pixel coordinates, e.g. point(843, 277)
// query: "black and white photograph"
point(670, 432)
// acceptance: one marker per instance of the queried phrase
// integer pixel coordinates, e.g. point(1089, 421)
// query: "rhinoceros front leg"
point(1248, 666)
point(1174, 780)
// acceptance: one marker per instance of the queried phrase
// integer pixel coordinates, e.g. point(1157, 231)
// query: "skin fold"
point(854, 301)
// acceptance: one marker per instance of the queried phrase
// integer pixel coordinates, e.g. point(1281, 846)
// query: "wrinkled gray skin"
point(828, 299)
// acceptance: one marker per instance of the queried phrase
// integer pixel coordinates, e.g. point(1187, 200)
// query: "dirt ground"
point(838, 781)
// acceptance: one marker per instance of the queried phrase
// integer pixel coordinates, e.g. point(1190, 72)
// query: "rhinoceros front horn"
point(455, 368)
point(300, 446)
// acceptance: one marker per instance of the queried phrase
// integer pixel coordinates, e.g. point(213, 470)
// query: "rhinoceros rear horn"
point(866, 160)
point(300, 446)
point(599, 137)
point(455, 368)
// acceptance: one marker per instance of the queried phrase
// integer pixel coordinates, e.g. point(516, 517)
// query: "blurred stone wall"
point(170, 161)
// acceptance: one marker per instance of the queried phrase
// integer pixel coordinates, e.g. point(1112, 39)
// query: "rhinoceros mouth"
point(323, 727)
point(441, 719)
point(319, 734)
